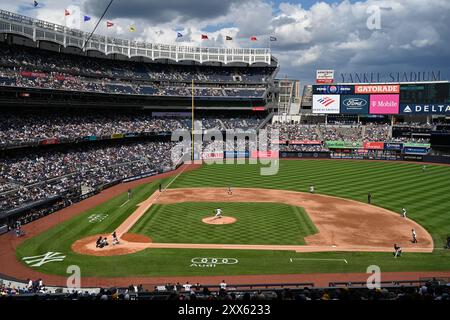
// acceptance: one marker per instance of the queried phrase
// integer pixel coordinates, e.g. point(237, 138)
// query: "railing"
point(41, 30)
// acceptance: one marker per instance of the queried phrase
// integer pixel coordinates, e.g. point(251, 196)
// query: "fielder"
point(311, 189)
point(397, 251)
point(414, 236)
point(229, 191)
point(404, 213)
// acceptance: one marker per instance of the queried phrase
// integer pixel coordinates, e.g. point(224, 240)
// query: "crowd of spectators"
point(341, 132)
point(432, 290)
point(26, 128)
point(30, 67)
point(32, 59)
point(48, 173)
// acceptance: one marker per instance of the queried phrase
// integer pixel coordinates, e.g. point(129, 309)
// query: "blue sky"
point(348, 36)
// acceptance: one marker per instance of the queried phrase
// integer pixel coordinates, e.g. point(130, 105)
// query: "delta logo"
point(407, 109)
point(326, 101)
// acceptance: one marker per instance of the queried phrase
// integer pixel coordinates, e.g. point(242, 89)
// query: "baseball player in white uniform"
point(218, 213)
point(404, 213)
point(414, 236)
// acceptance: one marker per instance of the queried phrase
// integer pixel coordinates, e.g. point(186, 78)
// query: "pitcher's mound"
point(223, 220)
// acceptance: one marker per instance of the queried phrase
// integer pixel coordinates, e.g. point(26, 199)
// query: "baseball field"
point(279, 227)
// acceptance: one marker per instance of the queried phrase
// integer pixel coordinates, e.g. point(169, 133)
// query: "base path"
point(343, 225)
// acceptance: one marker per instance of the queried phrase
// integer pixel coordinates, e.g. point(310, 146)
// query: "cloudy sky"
point(348, 36)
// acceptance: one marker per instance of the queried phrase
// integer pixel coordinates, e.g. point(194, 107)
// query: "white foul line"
point(124, 203)
point(314, 259)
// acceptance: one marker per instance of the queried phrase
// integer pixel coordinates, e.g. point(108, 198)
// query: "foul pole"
point(192, 125)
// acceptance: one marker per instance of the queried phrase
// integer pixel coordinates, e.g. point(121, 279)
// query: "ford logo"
point(355, 102)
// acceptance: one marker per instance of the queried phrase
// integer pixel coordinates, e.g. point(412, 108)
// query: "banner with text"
point(332, 89)
point(384, 104)
point(343, 145)
point(355, 104)
point(394, 146)
point(426, 109)
point(378, 89)
point(374, 145)
point(326, 104)
point(305, 142)
point(324, 76)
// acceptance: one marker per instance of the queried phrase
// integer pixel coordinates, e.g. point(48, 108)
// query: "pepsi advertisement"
point(332, 89)
point(355, 104)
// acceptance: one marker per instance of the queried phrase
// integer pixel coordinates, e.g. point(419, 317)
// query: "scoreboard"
point(382, 99)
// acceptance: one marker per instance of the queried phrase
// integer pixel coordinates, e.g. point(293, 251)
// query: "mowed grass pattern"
point(257, 223)
point(425, 195)
point(393, 185)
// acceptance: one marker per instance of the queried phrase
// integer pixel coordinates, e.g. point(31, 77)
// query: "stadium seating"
point(34, 68)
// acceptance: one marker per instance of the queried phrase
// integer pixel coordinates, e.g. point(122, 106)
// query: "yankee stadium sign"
point(374, 77)
point(425, 109)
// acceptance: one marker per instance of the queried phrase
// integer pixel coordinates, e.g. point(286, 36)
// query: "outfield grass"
point(393, 185)
point(257, 223)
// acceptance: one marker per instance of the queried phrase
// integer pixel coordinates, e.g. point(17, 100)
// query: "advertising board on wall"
point(333, 89)
point(416, 145)
point(429, 109)
point(393, 146)
point(324, 76)
point(378, 89)
point(374, 145)
point(305, 142)
point(326, 104)
point(338, 144)
point(421, 151)
point(355, 104)
point(384, 104)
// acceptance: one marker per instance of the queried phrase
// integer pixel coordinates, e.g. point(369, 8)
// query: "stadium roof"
point(39, 30)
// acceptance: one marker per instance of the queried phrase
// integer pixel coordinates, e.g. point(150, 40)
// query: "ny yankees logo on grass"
point(98, 217)
point(44, 258)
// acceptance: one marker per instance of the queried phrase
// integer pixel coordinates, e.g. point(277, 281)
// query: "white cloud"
point(414, 34)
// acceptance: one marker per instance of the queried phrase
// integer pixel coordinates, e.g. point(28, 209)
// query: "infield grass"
point(257, 223)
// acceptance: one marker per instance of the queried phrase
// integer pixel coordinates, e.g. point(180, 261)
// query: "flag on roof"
point(253, 39)
point(179, 35)
point(66, 12)
point(273, 38)
point(109, 24)
point(35, 3)
point(204, 37)
point(228, 38)
point(86, 18)
point(132, 29)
